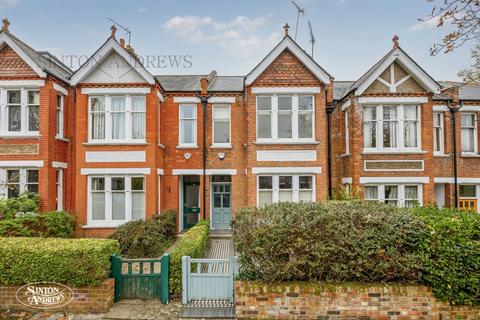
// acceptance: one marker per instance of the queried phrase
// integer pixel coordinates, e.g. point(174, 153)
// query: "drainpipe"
point(330, 109)
point(204, 96)
point(453, 110)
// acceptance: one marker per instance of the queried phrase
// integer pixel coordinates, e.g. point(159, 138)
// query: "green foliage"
point(74, 262)
point(147, 239)
point(193, 244)
point(332, 241)
point(471, 74)
point(347, 193)
point(25, 203)
point(51, 224)
point(452, 264)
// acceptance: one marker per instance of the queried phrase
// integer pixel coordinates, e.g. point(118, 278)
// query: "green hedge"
point(331, 241)
point(74, 262)
point(452, 264)
point(25, 203)
point(51, 224)
point(147, 239)
point(193, 243)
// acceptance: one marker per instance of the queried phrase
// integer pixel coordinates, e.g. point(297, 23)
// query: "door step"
point(208, 309)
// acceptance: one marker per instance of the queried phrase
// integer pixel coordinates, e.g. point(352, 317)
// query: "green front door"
point(221, 204)
point(191, 209)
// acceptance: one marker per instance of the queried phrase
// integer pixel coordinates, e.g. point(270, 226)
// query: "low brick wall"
point(98, 299)
point(323, 301)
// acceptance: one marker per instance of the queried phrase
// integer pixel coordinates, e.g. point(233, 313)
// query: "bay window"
point(117, 119)
point(18, 181)
point(116, 199)
point(188, 125)
point(285, 187)
point(401, 195)
point(469, 133)
point(285, 118)
point(438, 136)
point(398, 127)
point(20, 111)
point(221, 125)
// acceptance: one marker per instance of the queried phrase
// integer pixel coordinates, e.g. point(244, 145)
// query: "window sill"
point(219, 146)
point(441, 155)
point(397, 151)
point(285, 142)
point(187, 147)
point(112, 143)
point(104, 226)
point(162, 146)
point(62, 139)
point(345, 155)
point(19, 136)
point(469, 155)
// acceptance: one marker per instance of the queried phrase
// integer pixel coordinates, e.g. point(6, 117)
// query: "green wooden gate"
point(141, 278)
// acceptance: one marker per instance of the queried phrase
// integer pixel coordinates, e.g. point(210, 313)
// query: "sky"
point(231, 37)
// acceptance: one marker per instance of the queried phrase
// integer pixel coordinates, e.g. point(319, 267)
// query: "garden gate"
point(208, 279)
point(141, 278)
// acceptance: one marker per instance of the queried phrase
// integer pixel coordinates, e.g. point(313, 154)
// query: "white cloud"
point(238, 36)
point(8, 3)
point(424, 25)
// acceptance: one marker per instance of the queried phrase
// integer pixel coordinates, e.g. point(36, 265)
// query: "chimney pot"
point(395, 41)
point(114, 31)
point(122, 42)
point(6, 24)
point(285, 29)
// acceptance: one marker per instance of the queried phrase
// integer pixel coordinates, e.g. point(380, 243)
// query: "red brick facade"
point(165, 164)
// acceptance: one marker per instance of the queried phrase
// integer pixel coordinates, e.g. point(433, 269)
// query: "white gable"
point(288, 43)
point(413, 69)
point(107, 59)
point(114, 69)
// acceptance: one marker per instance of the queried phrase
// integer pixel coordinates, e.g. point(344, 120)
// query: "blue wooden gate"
point(208, 279)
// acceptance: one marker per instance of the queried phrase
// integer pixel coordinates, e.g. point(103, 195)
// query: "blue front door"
point(221, 205)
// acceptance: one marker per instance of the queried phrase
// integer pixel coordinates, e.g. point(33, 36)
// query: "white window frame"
point(60, 116)
point(347, 132)
point(109, 222)
point(24, 132)
point(59, 183)
point(108, 119)
point(475, 133)
point(400, 132)
point(401, 192)
point(229, 144)
point(295, 185)
point(22, 180)
point(274, 119)
point(440, 144)
point(180, 126)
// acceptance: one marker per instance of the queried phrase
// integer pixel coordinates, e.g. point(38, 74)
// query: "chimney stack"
point(122, 42)
point(395, 41)
point(114, 31)
point(6, 24)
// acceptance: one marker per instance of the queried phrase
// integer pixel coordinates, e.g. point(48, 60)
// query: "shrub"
point(74, 262)
point(452, 263)
point(193, 243)
point(51, 224)
point(332, 241)
point(147, 239)
point(25, 203)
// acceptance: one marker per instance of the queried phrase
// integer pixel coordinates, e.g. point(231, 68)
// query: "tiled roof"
point(340, 88)
point(191, 83)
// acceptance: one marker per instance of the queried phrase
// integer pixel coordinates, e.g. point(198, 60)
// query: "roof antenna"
point(300, 11)
point(124, 28)
point(312, 37)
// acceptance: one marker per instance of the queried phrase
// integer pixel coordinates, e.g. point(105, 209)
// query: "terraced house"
point(112, 142)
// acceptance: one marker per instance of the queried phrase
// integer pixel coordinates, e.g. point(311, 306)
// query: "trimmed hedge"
point(25, 203)
point(331, 241)
point(51, 224)
point(74, 262)
point(452, 264)
point(147, 239)
point(193, 243)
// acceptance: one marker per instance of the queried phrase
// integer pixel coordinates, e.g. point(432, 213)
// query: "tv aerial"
point(312, 37)
point(300, 11)
point(124, 28)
